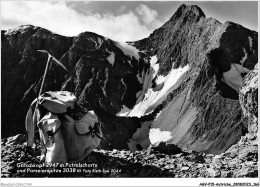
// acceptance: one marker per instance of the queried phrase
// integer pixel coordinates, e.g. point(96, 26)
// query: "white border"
point(123, 181)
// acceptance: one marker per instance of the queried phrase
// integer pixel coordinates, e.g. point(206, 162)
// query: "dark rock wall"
point(22, 68)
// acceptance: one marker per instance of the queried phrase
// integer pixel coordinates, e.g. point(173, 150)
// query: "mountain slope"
point(201, 111)
point(179, 85)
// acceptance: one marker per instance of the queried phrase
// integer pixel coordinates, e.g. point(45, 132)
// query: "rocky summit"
point(179, 103)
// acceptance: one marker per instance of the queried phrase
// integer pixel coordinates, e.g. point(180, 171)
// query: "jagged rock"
point(165, 148)
point(217, 156)
point(184, 168)
point(197, 158)
point(248, 97)
point(213, 173)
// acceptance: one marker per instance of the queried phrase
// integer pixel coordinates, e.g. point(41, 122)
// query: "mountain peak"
point(184, 10)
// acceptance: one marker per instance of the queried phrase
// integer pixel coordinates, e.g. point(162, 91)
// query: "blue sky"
point(118, 20)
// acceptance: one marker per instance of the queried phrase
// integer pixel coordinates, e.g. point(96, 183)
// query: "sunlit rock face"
point(246, 149)
point(248, 97)
point(179, 85)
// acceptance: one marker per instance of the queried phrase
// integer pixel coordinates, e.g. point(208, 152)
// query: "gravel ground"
point(161, 161)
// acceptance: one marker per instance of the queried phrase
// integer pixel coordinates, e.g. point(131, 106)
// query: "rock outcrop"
point(180, 85)
point(248, 97)
point(246, 150)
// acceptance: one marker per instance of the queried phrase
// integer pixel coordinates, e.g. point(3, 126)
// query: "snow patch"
point(157, 136)
point(129, 62)
point(154, 65)
point(242, 61)
point(138, 94)
point(100, 42)
point(173, 77)
point(233, 77)
point(158, 114)
point(140, 78)
point(148, 98)
point(250, 42)
point(111, 58)
point(122, 81)
point(18, 29)
point(160, 79)
point(124, 112)
point(128, 49)
point(151, 97)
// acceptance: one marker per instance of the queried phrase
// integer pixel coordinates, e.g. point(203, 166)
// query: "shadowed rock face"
point(22, 69)
point(104, 75)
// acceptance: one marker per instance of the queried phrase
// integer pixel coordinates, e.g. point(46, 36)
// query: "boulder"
point(165, 148)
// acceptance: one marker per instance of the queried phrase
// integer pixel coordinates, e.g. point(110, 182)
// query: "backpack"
point(66, 133)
